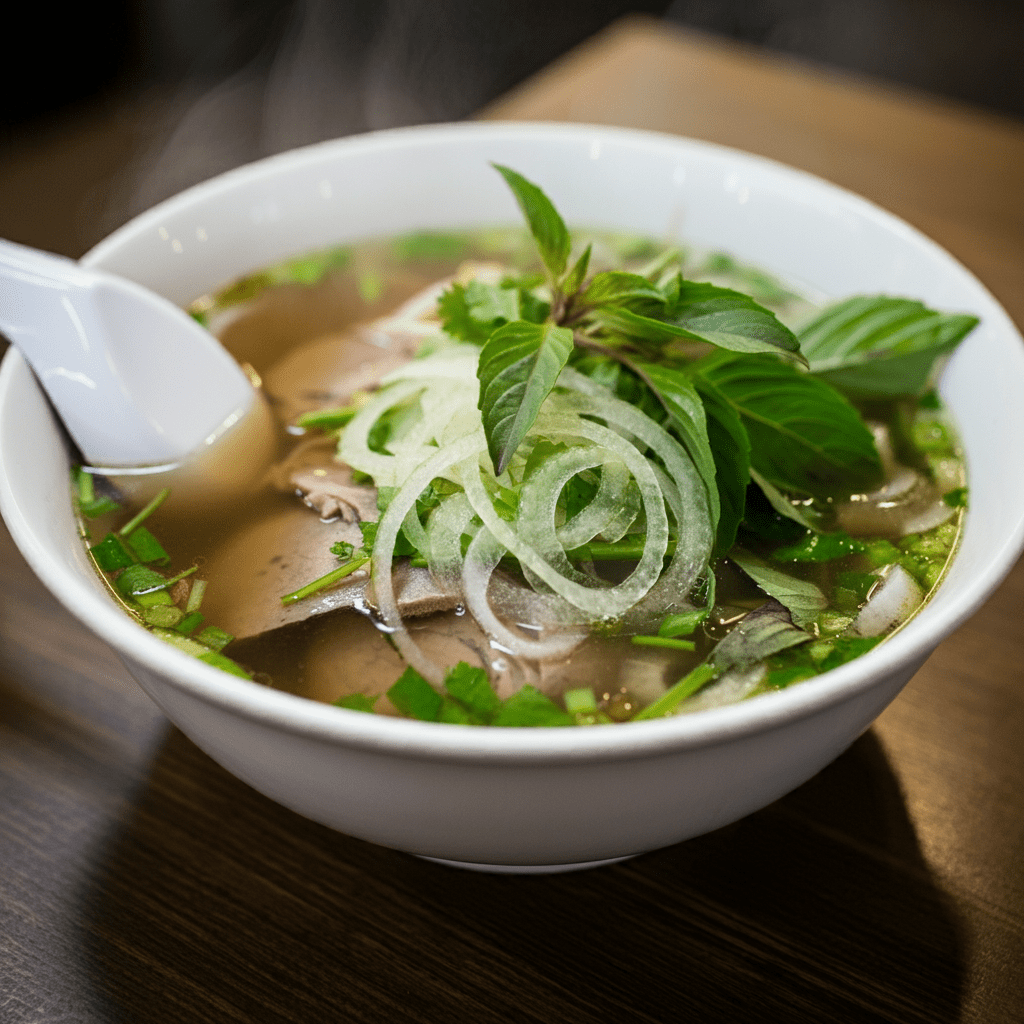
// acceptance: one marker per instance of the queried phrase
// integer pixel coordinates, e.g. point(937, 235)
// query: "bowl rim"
point(455, 743)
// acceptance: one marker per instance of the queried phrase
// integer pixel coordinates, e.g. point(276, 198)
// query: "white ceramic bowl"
point(545, 797)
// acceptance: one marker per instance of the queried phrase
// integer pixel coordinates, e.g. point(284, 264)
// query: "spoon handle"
point(134, 378)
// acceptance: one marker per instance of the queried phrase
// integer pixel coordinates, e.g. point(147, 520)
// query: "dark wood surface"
point(139, 881)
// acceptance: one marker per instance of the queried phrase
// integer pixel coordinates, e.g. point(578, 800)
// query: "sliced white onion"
point(891, 603)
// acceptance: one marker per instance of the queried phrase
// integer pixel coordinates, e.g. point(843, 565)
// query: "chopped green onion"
point(166, 615)
point(225, 664)
point(580, 701)
point(190, 623)
point(88, 504)
point(147, 548)
point(144, 585)
point(215, 637)
point(195, 596)
point(111, 554)
point(356, 702)
point(327, 419)
point(682, 625)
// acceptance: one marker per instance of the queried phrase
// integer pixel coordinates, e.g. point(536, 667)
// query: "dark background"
point(374, 63)
point(108, 109)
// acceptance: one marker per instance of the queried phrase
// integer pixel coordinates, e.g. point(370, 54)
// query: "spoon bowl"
point(136, 381)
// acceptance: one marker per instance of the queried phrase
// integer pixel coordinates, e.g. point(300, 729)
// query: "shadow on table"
point(214, 904)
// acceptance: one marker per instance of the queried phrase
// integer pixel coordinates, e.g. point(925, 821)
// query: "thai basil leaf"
point(518, 368)
point(677, 394)
point(805, 437)
point(546, 226)
point(802, 598)
point(881, 347)
point(730, 445)
point(761, 633)
point(574, 279)
point(804, 516)
point(705, 312)
point(617, 288)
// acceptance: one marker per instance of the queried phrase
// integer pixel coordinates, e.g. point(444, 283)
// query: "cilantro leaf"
point(518, 368)
point(472, 689)
point(881, 347)
point(415, 697)
point(528, 706)
point(474, 311)
point(805, 437)
point(546, 226)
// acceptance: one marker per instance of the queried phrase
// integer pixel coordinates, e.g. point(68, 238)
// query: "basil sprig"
point(752, 403)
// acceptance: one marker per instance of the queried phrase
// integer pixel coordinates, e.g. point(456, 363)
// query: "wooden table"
point(141, 882)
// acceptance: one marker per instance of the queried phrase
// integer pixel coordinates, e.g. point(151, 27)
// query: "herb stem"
point(324, 581)
point(620, 551)
point(675, 695)
point(157, 501)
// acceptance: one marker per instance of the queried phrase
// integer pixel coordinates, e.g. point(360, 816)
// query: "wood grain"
point(141, 882)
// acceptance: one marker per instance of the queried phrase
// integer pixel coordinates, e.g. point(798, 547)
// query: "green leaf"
point(683, 624)
point(801, 597)
point(705, 312)
point(820, 547)
point(528, 706)
point(224, 663)
point(415, 697)
point(617, 288)
point(488, 303)
point(546, 226)
point(805, 437)
point(798, 515)
point(472, 312)
point(574, 279)
point(356, 702)
point(471, 688)
point(677, 394)
point(518, 368)
point(846, 648)
point(215, 637)
point(766, 630)
point(147, 548)
point(144, 585)
point(431, 245)
point(880, 347)
point(730, 445)
point(111, 553)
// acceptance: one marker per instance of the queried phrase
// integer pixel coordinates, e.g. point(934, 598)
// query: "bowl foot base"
point(525, 869)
